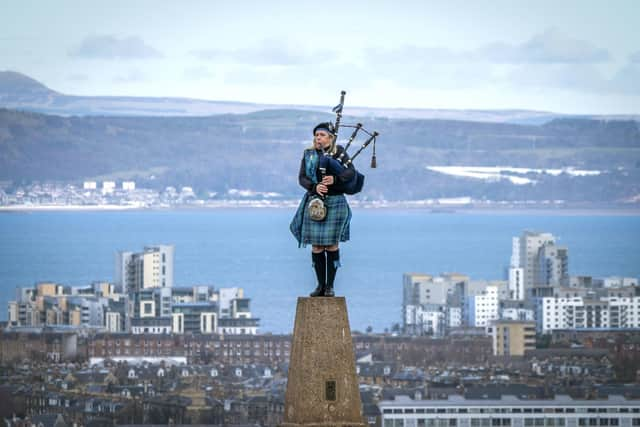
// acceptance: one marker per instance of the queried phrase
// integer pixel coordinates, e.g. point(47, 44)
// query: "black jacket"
point(339, 179)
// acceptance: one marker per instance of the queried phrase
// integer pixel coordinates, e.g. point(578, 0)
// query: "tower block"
point(322, 387)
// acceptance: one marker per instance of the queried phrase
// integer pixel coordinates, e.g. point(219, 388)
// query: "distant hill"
point(21, 92)
point(261, 151)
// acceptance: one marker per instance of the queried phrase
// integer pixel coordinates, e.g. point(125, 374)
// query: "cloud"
point(198, 73)
point(408, 55)
point(326, 75)
point(635, 57)
point(78, 77)
point(547, 59)
point(572, 77)
point(110, 47)
point(578, 77)
point(133, 76)
point(549, 47)
point(627, 79)
point(269, 52)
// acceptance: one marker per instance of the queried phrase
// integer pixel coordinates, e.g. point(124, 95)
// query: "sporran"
point(317, 209)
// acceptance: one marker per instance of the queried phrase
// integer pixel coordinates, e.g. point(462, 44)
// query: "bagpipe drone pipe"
point(335, 166)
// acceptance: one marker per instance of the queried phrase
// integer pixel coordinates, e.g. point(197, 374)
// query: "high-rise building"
point(152, 268)
point(535, 261)
point(553, 265)
point(123, 258)
point(516, 284)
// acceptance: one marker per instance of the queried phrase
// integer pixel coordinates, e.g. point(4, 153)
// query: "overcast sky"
point(562, 56)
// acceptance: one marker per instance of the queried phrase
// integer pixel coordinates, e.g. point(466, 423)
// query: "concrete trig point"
point(322, 387)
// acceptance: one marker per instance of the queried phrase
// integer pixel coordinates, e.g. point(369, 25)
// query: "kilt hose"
point(334, 228)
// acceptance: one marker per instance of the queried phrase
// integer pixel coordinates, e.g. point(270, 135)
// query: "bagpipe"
point(335, 166)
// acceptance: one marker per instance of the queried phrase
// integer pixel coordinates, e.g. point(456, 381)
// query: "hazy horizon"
point(574, 57)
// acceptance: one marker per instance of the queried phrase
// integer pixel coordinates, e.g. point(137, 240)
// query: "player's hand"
point(321, 189)
point(328, 180)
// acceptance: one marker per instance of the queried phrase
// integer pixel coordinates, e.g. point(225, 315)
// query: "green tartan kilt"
point(334, 228)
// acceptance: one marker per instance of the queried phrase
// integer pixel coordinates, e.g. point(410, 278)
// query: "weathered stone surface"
point(322, 388)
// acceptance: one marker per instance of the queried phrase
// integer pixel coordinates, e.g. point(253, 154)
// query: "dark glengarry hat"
point(325, 126)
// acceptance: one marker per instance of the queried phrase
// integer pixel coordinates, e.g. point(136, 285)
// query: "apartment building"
point(536, 260)
point(151, 268)
point(432, 303)
point(509, 411)
point(512, 337)
point(482, 308)
point(618, 309)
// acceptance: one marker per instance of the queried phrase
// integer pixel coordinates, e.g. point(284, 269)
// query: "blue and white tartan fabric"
point(334, 228)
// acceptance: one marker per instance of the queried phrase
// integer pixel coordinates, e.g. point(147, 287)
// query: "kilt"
point(334, 228)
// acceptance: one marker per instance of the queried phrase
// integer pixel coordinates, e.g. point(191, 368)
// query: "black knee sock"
point(333, 262)
point(319, 261)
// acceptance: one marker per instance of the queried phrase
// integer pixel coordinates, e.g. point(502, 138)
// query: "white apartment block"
point(525, 255)
point(522, 314)
point(232, 326)
point(483, 308)
point(581, 313)
point(425, 320)
point(616, 282)
point(454, 317)
point(186, 319)
point(113, 322)
point(89, 185)
point(226, 296)
point(429, 304)
point(509, 411)
point(516, 283)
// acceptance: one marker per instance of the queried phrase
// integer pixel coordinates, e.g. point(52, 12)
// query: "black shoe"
point(318, 291)
point(329, 292)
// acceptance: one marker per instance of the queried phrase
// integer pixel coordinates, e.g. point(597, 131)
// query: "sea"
point(253, 249)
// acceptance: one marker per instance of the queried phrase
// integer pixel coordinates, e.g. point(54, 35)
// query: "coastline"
point(435, 209)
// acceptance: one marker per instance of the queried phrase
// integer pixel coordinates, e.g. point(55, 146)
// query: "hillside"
point(21, 92)
point(261, 151)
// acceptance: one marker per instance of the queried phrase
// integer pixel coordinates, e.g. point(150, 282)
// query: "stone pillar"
point(322, 387)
